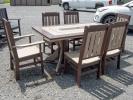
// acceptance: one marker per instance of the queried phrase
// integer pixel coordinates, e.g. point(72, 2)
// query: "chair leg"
point(42, 65)
point(73, 45)
point(78, 77)
point(35, 61)
point(99, 71)
point(118, 62)
point(65, 66)
point(44, 47)
point(19, 28)
point(17, 72)
point(11, 63)
point(19, 31)
point(52, 49)
point(103, 66)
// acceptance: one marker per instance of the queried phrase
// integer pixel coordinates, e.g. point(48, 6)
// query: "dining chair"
point(15, 23)
point(90, 53)
point(71, 17)
point(50, 19)
point(30, 52)
point(121, 18)
point(114, 43)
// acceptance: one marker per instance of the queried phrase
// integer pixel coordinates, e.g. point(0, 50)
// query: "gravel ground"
point(115, 85)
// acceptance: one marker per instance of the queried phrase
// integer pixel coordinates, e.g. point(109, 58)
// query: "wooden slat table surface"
point(62, 32)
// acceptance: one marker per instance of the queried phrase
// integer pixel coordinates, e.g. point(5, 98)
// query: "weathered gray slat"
point(18, 2)
point(24, 2)
point(34, 2)
point(44, 3)
point(31, 2)
point(39, 2)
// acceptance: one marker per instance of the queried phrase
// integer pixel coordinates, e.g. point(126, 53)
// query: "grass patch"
point(6, 1)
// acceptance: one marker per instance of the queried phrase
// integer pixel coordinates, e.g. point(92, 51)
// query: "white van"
point(75, 4)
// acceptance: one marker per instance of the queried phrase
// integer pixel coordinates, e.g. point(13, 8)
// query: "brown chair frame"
point(50, 19)
point(115, 41)
point(15, 59)
point(91, 45)
point(122, 17)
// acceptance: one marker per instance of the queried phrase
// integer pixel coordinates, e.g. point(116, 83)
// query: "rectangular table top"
point(62, 32)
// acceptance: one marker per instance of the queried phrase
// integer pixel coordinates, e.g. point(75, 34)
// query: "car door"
point(82, 3)
point(75, 4)
point(90, 3)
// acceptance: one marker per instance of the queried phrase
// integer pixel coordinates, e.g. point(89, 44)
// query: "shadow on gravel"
point(127, 54)
point(32, 77)
point(3, 43)
point(122, 76)
point(65, 81)
point(130, 33)
point(101, 89)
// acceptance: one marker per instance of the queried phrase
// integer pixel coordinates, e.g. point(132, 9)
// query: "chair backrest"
point(117, 36)
point(3, 14)
point(122, 17)
point(93, 41)
point(71, 17)
point(50, 18)
point(10, 39)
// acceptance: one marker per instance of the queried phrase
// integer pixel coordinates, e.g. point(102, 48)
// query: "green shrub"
point(6, 1)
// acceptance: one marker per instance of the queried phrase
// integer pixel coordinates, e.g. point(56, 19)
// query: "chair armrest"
point(15, 19)
point(30, 44)
point(23, 36)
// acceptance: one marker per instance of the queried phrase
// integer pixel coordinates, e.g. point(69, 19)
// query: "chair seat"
point(28, 51)
point(113, 52)
point(75, 57)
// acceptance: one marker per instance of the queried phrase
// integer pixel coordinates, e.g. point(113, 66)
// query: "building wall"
point(33, 2)
point(55, 1)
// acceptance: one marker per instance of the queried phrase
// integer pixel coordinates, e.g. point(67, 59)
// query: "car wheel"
point(66, 6)
point(108, 19)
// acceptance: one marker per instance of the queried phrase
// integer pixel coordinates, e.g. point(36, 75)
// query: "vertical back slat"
point(71, 17)
point(93, 41)
point(90, 51)
point(50, 18)
point(87, 44)
point(117, 34)
point(98, 43)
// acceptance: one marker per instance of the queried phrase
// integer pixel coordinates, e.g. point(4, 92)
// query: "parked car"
point(75, 4)
point(107, 14)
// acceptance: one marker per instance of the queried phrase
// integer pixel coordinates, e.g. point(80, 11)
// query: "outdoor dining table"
point(61, 34)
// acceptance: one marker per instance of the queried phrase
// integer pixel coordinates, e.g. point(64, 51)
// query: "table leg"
point(64, 46)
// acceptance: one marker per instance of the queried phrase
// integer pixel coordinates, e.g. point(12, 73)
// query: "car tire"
point(108, 19)
point(66, 6)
